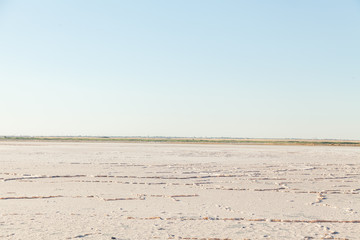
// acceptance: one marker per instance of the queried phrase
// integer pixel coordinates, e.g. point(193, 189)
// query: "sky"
point(204, 68)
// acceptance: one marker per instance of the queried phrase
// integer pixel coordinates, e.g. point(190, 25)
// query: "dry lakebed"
point(116, 190)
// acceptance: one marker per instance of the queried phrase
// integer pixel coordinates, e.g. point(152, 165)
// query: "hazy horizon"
point(240, 69)
point(180, 137)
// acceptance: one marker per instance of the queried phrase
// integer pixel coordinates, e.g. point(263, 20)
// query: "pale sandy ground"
point(178, 191)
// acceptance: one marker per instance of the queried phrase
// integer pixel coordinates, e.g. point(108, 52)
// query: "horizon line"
point(174, 137)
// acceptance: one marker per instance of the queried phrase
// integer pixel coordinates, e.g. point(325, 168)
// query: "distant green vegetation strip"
point(190, 140)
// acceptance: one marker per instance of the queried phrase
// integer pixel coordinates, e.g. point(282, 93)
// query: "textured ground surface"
point(178, 191)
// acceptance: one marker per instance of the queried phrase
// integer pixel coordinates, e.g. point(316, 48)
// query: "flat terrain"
point(117, 190)
point(238, 141)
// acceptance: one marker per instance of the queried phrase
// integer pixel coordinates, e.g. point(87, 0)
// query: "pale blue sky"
point(199, 68)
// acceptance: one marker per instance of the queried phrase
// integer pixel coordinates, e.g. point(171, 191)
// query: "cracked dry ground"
point(178, 191)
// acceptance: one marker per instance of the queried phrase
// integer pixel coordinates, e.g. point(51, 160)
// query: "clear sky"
point(201, 68)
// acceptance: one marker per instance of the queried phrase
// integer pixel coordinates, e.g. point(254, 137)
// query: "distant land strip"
point(240, 141)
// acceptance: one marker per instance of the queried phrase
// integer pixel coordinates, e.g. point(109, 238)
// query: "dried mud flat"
point(178, 191)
